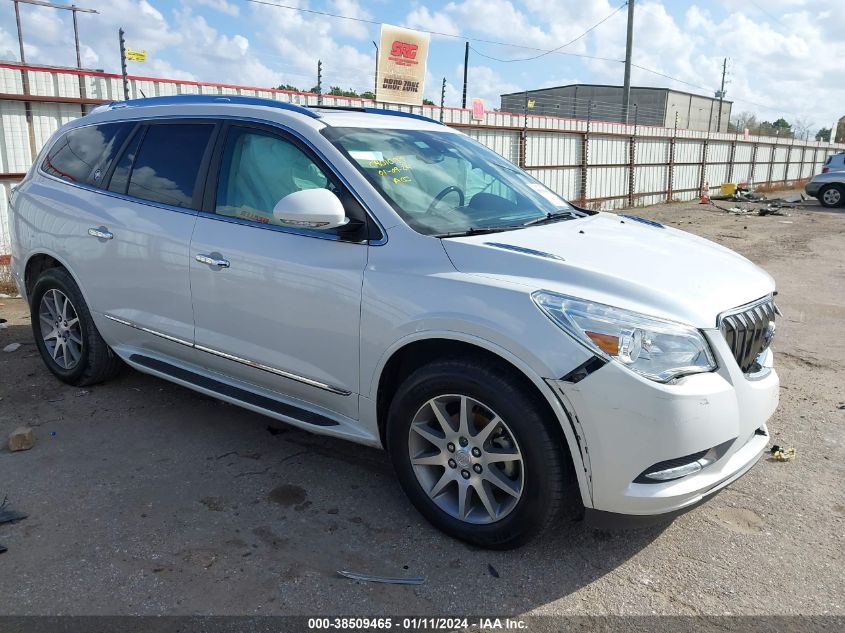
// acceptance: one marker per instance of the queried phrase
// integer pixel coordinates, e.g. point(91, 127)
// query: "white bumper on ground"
point(630, 423)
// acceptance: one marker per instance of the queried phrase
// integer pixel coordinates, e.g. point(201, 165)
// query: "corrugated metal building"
point(653, 106)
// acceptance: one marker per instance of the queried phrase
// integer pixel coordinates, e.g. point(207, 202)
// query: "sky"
point(785, 57)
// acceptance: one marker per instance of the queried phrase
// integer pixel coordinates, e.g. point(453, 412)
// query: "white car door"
point(274, 306)
point(132, 232)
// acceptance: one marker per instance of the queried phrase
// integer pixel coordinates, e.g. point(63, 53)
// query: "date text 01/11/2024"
point(417, 624)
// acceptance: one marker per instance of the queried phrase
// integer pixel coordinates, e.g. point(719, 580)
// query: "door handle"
point(101, 233)
point(212, 260)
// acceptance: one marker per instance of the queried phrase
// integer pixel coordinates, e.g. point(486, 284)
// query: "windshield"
point(443, 183)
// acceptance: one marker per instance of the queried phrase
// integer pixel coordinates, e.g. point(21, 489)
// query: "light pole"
point(375, 79)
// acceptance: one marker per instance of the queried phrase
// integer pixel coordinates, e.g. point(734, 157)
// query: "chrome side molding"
point(244, 361)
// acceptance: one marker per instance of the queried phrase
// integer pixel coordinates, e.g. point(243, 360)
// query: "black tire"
point(828, 198)
point(548, 476)
point(97, 362)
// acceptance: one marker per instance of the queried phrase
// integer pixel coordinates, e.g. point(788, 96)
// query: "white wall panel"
point(550, 141)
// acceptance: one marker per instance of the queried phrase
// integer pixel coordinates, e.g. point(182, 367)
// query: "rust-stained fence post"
point(773, 150)
point(523, 135)
point(671, 175)
point(753, 162)
point(632, 156)
point(788, 158)
point(702, 174)
point(585, 151)
point(732, 158)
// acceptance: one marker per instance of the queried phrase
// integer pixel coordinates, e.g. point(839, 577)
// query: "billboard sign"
point(401, 65)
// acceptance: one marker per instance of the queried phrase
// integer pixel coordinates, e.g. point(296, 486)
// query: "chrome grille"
point(749, 330)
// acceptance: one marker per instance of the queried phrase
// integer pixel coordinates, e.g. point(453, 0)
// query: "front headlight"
point(657, 349)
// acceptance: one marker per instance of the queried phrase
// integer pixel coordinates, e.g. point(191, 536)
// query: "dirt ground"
point(146, 498)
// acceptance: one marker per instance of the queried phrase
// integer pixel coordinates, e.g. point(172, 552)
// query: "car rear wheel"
point(65, 334)
point(477, 454)
point(832, 195)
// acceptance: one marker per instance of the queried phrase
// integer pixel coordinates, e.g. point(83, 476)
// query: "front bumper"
point(628, 423)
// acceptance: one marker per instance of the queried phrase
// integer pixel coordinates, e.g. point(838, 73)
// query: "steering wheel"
point(439, 197)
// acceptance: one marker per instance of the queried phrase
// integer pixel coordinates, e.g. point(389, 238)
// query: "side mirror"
point(310, 209)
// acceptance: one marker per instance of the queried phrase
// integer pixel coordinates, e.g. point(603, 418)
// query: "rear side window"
point(83, 154)
point(166, 166)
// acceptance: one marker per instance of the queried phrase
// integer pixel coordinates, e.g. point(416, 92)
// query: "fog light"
point(677, 472)
point(676, 468)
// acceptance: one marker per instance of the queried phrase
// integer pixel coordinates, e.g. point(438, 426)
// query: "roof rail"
point(189, 98)
point(382, 111)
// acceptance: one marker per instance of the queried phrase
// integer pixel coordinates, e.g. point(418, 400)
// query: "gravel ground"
point(146, 498)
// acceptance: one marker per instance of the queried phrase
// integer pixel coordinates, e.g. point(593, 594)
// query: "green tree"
point(823, 134)
point(288, 87)
point(337, 91)
point(428, 102)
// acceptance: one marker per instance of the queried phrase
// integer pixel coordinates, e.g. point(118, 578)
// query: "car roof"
point(260, 108)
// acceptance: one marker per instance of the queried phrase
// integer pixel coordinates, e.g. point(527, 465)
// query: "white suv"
point(379, 277)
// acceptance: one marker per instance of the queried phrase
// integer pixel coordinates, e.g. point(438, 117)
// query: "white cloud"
point(219, 5)
point(784, 54)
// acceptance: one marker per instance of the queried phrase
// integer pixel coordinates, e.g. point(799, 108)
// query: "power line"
point(543, 51)
point(439, 33)
point(570, 42)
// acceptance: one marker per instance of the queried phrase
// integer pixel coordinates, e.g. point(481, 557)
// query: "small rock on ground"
point(21, 439)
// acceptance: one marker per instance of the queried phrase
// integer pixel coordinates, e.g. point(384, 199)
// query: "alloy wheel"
point(60, 329)
point(832, 196)
point(466, 459)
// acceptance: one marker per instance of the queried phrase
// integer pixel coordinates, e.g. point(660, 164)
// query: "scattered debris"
point(781, 454)
point(772, 208)
point(11, 347)
point(10, 516)
point(21, 439)
point(410, 580)
point(492, 570)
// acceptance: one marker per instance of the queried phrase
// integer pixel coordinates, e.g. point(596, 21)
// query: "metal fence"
point(592, 162)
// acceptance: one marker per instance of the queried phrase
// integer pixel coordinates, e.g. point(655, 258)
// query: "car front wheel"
point(477, 453)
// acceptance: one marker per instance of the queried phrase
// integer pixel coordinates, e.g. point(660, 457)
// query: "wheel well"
point(36, 265)
point(408, 359)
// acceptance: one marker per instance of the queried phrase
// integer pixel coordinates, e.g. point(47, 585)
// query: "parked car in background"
point(828, 187)
point(379, 277)
point(834, 162)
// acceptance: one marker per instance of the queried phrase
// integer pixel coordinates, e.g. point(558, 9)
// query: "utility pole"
point(721, 95)
point(629, 45)
point(319, 82)
point(20, 33)
point(375, 79)
point(123, 65)
point(52, 5)
point(466, 65)
point(442, 98)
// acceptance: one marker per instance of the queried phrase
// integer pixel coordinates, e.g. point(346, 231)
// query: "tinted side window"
point(120, 176)
point(166, 166)
point(83, 154)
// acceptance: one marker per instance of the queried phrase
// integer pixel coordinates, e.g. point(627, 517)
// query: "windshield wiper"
point(552, 217)
point(479, 231)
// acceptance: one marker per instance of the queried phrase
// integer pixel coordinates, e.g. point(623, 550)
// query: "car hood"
point(620, 261)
